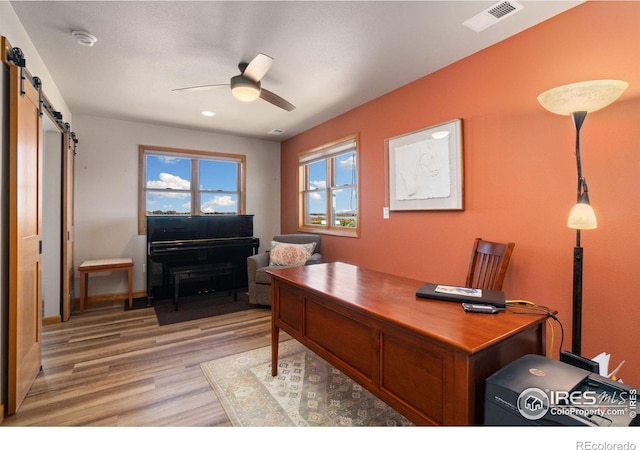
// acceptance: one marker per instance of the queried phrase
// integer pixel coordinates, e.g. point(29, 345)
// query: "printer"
point(536, 391)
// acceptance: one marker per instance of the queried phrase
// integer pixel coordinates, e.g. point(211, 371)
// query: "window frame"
point(194, 190)
point(328, 152)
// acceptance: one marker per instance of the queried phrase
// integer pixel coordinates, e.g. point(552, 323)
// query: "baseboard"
point(51, 320)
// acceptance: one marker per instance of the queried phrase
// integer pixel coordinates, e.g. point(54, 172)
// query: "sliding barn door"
point(68, 154)
point(25, 312)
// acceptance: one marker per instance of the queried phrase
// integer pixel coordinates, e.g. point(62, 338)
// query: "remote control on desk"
point(486, 309)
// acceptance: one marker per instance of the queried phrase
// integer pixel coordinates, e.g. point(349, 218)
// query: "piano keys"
point(220, 243)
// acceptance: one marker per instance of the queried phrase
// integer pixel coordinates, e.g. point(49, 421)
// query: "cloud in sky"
point(218, 201)
point(169, 159)
point(169, 181)
point(348, 162)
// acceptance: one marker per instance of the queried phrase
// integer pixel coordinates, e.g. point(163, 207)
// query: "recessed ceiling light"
point(84, 38)
point(208, 113)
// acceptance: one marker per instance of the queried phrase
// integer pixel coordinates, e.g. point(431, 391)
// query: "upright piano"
point(205, 245)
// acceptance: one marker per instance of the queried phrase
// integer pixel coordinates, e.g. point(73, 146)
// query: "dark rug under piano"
point(196, 307)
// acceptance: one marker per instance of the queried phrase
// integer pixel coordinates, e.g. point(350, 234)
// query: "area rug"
point(307, 391)
point(199, 307)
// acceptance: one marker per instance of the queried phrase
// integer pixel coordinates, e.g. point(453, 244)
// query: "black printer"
point(535, 391)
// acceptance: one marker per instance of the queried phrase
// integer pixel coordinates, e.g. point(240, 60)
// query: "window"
point(189, 182)
point(328, 188)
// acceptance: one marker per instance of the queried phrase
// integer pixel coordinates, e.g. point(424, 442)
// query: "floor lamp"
point(576, 100)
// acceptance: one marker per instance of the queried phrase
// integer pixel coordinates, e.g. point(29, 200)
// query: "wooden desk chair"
point(488, 264)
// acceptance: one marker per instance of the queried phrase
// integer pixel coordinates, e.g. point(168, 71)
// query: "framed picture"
point(425, 169)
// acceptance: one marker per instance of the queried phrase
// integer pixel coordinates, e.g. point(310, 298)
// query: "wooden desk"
point(103, 265)
point(428, 359)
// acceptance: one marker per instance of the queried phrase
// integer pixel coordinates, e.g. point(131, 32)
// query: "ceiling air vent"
point(492, 15)
point(276, 132)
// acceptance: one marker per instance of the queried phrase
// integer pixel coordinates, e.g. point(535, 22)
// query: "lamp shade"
point(587, 96)
point(582, 217)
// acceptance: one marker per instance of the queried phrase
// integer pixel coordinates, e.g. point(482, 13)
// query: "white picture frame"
point(425, 169)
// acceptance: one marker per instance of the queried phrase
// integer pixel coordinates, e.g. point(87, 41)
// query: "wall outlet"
point(385, 212)
point(144, 268)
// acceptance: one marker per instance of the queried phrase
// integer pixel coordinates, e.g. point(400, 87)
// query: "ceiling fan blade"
point(204, 87)
point(276, 100)
point(258, 67)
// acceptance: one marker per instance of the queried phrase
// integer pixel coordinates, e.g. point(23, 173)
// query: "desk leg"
point(275, 338)
point(130, 279)
point(275, 330)
point(83, 290)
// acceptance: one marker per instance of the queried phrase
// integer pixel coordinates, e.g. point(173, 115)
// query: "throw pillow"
point(285, 254)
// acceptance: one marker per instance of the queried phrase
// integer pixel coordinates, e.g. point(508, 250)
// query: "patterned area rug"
point(307, 391)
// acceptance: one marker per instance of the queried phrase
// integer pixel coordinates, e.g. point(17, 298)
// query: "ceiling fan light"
point(244, 89)
point(246, 93)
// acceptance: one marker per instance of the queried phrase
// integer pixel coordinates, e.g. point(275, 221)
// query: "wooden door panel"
point(67, 226)
point(25, 311)
point(28, 319)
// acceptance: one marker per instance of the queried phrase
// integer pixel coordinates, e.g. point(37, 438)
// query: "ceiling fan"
point(246, 86)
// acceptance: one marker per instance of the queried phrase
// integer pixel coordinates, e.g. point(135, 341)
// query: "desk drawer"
point(290, 308)
point(417, 374)
point(347, 339)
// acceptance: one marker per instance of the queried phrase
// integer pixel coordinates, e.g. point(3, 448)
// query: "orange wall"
point(520, 174)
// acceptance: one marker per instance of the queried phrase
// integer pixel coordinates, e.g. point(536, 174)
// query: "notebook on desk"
point(461, 294)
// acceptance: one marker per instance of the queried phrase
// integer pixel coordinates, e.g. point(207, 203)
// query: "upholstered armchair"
point(280, 257)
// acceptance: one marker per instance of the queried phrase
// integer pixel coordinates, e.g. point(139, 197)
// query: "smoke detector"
point(84, 38)
point(492, 15)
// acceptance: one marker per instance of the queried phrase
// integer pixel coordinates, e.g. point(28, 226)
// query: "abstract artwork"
point(424, 168)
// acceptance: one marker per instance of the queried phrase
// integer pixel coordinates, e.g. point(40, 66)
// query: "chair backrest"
point(300, 238)
point(488, 264)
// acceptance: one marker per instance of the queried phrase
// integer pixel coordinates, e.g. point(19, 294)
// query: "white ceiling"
point(329, 56)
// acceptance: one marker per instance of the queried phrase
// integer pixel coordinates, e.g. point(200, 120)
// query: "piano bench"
point(103, 265)
point(200, 273)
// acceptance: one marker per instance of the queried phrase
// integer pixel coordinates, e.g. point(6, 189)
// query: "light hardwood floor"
point(111, 367)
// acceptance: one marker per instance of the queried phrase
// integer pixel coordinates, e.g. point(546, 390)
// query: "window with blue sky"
point(184, 182)
point(329, 188)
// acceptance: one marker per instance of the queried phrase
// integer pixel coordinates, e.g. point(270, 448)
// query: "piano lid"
point(180, 228)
